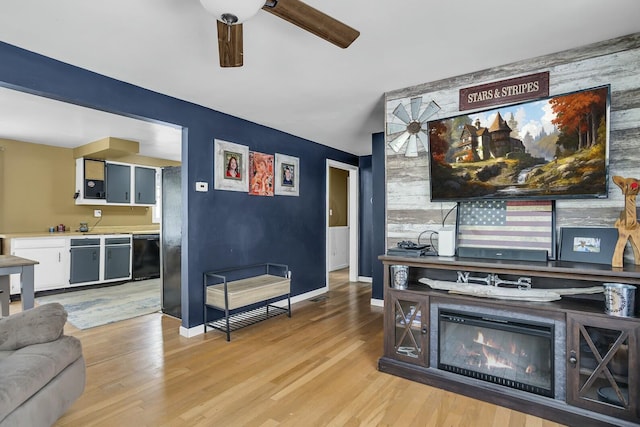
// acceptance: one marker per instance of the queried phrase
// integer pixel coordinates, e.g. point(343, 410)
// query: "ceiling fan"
point(232, 13)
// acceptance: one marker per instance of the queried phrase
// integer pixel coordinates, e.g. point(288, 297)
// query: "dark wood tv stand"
point(589, 377)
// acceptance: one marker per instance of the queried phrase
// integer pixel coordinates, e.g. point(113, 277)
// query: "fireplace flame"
point(494, 361)
point(489, 350)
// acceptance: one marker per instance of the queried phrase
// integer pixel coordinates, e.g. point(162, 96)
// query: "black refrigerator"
point(171, 241)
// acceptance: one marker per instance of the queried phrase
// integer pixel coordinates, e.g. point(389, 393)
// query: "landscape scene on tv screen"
point(550, 148)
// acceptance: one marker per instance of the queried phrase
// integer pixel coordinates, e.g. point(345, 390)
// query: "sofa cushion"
point(40, 324)
point(29, 369)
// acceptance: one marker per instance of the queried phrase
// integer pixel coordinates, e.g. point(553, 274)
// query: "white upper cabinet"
point(100, 182)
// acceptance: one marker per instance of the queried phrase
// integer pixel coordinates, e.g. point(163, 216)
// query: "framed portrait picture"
point(230, 165)
point(260, 174)
point(588, 244)
point(287, 175)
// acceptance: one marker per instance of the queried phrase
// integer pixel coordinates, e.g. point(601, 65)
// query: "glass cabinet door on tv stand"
point(409, 315)
point(602, 369)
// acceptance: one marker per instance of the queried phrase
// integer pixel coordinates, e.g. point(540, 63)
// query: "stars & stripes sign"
point(506, 224)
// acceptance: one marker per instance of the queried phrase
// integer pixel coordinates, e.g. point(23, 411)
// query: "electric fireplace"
point(511, 352)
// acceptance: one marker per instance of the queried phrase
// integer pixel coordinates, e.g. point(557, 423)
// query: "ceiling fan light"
point(241, 9)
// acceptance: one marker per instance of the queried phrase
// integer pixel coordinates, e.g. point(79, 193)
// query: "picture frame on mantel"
point(507, 224)
point(588, 244)
point(230, 165)
point(287, 175)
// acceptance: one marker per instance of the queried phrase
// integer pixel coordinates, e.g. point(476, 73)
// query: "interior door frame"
point(354, 224)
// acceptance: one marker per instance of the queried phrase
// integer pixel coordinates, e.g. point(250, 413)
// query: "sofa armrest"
point(40, 324)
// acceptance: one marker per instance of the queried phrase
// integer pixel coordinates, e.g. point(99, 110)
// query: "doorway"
point(50, 144)
point(352, 224)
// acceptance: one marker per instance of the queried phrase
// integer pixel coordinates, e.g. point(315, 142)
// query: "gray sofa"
point(42, 371)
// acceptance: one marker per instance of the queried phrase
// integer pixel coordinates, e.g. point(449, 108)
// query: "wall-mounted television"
point(551, 148)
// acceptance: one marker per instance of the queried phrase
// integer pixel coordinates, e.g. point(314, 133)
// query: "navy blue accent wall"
point(379, 242)
point(365, 264)
point(220, 228)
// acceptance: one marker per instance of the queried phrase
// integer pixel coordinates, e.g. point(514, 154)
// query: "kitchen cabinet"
point(124, 185)
point(53, 257)
point(145, 185)
point(85, 260)
point(73, 261)
point(117, 258)
point(94, 171)
point(118, 183)
point(100, 259)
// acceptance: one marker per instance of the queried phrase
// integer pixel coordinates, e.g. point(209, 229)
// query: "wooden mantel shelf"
point(554, 269)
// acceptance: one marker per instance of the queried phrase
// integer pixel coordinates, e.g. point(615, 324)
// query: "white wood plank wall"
point(409, 210)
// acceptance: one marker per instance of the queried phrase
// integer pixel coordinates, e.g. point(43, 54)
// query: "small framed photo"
point(287, 175)
point(230, 162)
point(588, 244)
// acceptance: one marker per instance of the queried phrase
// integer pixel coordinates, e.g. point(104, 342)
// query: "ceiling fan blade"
point(230, 44)
point(314, 21)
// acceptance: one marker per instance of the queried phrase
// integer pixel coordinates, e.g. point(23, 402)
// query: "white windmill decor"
point(406, 129)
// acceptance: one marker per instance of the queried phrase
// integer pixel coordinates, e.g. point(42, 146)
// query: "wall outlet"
point(97, 213)
point(202, 186)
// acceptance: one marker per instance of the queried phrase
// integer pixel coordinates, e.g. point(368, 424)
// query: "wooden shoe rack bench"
point(246, 295)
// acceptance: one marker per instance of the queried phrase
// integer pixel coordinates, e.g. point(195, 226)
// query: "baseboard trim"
point(191, 332)
point(377, 302)
point(303, 297)
point(365, 279)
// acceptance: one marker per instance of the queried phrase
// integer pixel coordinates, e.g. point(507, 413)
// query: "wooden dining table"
point(10, 264)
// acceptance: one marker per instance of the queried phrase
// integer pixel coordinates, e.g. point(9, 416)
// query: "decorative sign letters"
point(505, 91)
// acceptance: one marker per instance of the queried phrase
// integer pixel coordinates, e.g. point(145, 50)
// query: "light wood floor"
point(317, 368)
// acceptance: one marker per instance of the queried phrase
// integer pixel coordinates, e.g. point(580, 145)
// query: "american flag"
point(506, 224)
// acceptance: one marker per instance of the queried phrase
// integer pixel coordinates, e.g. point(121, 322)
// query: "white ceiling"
point(291, 80)
point(31, 118)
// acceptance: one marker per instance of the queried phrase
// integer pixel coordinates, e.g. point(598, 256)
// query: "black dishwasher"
point(146, 256)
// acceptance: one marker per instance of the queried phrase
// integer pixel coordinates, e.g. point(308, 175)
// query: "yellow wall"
point(37, 184)
point(338, 197)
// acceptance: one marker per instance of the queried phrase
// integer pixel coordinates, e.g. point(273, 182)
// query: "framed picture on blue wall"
point(260, 174)
point(287, 175)
point(230, 166)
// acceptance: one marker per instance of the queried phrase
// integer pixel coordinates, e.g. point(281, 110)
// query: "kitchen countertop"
point(135, 229)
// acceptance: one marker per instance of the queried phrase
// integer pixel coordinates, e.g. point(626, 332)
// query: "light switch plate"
point(202, 186)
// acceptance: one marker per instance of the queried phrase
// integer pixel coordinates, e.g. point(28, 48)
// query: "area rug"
point(89, 308)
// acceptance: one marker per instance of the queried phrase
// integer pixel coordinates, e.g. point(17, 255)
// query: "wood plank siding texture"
point(409, 210)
